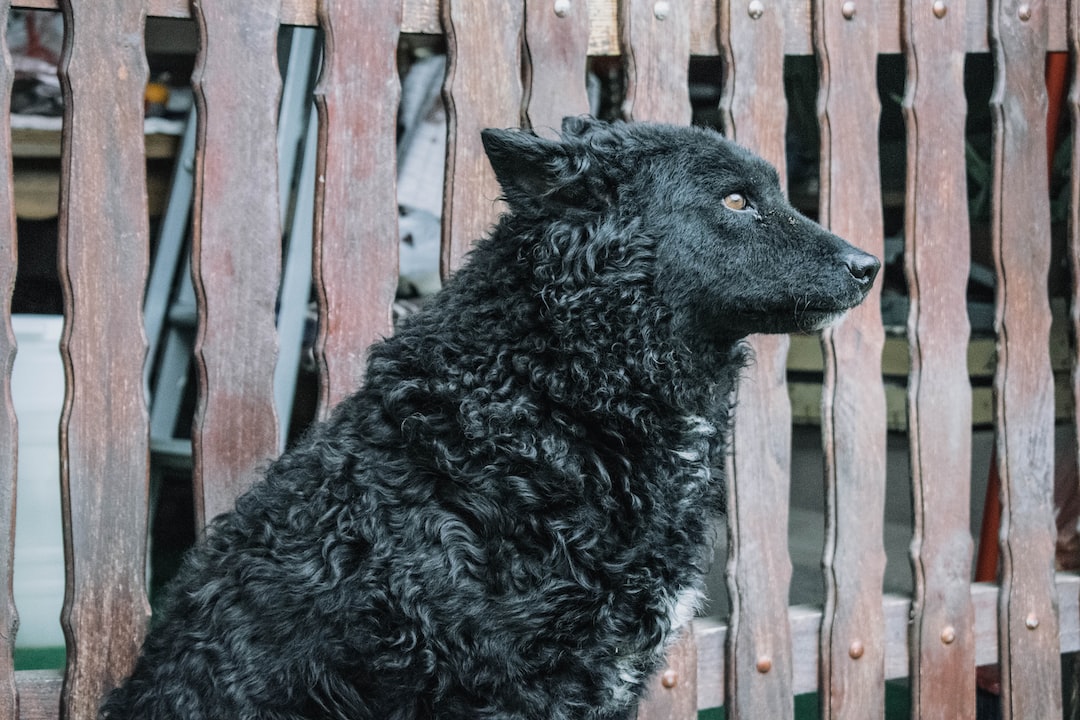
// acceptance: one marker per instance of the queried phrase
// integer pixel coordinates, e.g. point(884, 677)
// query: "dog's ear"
point(523, 163)
point(535, 173)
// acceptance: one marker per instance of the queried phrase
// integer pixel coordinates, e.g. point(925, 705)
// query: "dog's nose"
point(863, 267)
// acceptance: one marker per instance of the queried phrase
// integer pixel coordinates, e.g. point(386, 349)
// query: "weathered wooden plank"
point(759, 668)
point(1031, 676)
point(655, 38)
point(39, 691)
point(104, 428)
point(8, 424)
point(236, 254)
point(483, 89)
point(853, 397)
point(939, 392)
point(556, 54)
point(422, 16)
point(655, 41)
point(356, 261)
point(39, 694)
point(673, 692)
point(805, 624)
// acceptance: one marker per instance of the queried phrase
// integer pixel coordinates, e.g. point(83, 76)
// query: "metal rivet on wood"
point(662, 9)
point(848, 10)
point(948, 635)
point(755, 9)
point(856, 650)
point(940, 9)
point(669, 679)
point(764, 664)
point(1032, 621)
point(1024, 12)
point(562, 7)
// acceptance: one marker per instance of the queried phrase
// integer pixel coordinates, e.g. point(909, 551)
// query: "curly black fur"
point(511, 518)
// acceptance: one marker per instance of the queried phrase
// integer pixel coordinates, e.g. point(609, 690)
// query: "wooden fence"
point(755, 661)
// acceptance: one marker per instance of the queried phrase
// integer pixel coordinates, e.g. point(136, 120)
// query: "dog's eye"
point(736, 201)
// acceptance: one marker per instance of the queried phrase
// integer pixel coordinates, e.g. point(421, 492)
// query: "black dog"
point(511, 518)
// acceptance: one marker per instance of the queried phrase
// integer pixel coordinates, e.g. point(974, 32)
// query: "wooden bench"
point(756, 660)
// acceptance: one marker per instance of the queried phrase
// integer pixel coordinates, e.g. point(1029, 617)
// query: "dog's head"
point(731, 256)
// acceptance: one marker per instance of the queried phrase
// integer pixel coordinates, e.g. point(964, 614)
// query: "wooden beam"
point(39, 690)
point(422, 16)
point(711, 635)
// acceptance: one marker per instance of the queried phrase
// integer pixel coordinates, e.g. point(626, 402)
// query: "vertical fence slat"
point(1023, 381)
point(236, 246)
point(853, 403)
point(939, 392)
point(104, 428)
point(556, 54)
point(356, 261)
point(672, 693)
point(755, 112)
point(655, 39)
point(8, 424)
point(483, 89)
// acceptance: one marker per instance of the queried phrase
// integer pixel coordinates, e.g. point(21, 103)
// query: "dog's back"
point(511, 518)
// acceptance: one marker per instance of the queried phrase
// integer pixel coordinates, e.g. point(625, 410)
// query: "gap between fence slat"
point(1074, 200)
point(853, 402)
point(104, 428)
point(8, 423)
point(759, 567)
point(1073, 258)
point(937, 261)
point(356, 252)
point(1074, 203)
point(1023, 381)
point(236, 248)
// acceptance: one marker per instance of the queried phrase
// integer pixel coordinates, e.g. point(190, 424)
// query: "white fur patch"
point(689, 455)
point(684, 608)
point(700, 426)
